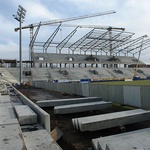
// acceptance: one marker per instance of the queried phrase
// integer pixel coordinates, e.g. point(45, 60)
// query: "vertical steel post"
point(20, 49)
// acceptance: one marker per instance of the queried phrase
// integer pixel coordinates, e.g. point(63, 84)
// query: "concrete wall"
point(43, 117)
point(138, 96)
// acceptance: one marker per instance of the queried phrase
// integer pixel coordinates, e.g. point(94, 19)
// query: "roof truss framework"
point(65, 41)
point(134, 46)
point(93, 42)
point(50, 39)
point(101, 40)
point(80, 41)
point(106, 41)
point(139, 46)
point(34, 36)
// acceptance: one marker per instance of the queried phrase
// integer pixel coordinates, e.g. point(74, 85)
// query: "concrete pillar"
point(65, 65)
point(51, 65)
point(40, 65)
point(115, 65)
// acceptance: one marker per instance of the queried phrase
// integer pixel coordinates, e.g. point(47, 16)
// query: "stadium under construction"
point(101, 54)
point(65, 89)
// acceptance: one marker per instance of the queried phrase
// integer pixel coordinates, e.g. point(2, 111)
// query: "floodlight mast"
point(21, 12)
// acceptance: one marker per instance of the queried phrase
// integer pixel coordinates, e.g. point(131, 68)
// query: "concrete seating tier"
point(12, 137)
point(138, 139)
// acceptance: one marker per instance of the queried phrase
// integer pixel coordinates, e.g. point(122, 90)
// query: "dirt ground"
point(75, 140)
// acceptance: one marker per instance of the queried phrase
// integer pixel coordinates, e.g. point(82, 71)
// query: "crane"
point(66, 19)
point(90, 26)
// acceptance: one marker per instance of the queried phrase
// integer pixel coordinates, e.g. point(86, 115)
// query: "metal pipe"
point(20, 50)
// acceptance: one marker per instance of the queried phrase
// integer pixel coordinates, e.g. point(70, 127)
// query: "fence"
point(138, 96)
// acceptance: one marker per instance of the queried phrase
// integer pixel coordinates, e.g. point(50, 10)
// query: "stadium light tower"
point(21, 12)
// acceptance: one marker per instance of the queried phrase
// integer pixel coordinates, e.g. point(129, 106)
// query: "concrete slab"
point(51, 103)
point(25, 114)
point(11, 137)
point(7, 115)
point(100, 143)
point(100, 122)
point(5, 99)
point(40, 140)
point(75, 108)
point(132, 144)
point(5, 105)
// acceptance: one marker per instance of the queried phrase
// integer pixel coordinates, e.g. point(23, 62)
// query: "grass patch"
point(121, 107)
point(136, 83)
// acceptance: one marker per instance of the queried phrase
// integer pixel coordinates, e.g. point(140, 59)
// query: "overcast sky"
point(133, 15)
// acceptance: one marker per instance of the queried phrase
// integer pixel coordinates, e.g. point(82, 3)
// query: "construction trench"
point(68, 137)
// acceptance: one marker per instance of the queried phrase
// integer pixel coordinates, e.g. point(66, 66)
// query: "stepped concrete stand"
point(100, 143)
point(110, 120)
point(59, 102)
point(75, 108)
point(11, 135)
point(25, 114)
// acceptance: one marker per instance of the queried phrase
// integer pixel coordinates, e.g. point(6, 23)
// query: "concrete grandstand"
point(100, 54)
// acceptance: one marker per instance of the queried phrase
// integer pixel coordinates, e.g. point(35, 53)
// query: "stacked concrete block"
point(59, 102)
point(75, 108)
point(25, 114)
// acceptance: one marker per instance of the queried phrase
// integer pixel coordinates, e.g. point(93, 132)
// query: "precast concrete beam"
point(59, 102)
point(75, 108)
point(25, 114)
point(99, 122)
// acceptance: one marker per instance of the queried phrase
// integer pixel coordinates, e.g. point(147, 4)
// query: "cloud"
point(133, 15)
point(9, 49)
